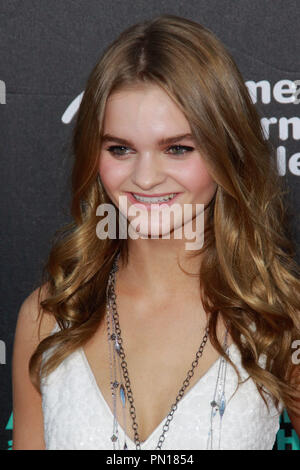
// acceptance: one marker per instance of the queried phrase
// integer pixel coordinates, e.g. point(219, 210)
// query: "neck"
point(156, 267)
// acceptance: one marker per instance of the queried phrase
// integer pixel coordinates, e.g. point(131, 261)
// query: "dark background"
point(47, 50)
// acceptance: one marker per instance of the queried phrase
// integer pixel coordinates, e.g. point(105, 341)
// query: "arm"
point(28, 425)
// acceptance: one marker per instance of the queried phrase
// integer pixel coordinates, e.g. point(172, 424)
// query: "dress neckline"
point(183, 399)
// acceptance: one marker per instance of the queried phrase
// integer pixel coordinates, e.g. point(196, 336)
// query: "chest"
point(77, 417)
point(160, 346)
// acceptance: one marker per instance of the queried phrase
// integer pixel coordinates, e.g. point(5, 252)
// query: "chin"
point(157, 231)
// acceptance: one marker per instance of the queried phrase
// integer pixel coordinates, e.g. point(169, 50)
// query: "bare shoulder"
point(27, 402)
point(28, 315)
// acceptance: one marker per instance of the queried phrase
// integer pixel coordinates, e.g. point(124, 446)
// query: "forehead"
point(143, 109)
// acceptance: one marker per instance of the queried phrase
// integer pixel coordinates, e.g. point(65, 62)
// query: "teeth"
point(154, 199)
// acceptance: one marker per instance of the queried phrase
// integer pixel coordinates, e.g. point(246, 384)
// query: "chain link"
point(111, 293)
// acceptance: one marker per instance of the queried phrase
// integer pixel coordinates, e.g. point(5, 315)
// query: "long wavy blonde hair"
point(248, 272)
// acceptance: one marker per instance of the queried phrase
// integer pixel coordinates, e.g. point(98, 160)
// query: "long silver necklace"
point(116, 349)
point(218, 404)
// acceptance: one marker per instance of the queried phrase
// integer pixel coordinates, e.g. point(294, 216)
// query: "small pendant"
point(122, 395)
point(114, 438)
point(222, 405)
point(214, 406)
point(115, 384)
point(117, 346)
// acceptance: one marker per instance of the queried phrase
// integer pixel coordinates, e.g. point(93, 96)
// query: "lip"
point(149, 204)
point(153, 195)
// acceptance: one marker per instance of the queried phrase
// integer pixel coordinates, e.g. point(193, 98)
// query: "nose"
point(148, 171)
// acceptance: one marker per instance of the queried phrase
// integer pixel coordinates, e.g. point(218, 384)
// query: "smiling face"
point(134, 159)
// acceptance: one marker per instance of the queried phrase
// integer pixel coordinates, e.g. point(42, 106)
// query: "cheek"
point(112, 173)
point(194, 176)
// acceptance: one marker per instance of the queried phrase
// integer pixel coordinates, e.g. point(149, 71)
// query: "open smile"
point(148, 202)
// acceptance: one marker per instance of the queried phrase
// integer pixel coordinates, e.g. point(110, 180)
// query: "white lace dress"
point(76, 416)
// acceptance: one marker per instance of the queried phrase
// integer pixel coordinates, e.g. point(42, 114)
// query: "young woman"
point(148, 341)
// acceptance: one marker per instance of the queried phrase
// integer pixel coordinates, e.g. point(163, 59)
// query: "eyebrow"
point(164, 141)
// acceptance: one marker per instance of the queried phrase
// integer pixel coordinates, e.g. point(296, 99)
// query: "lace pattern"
point(76, 416)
